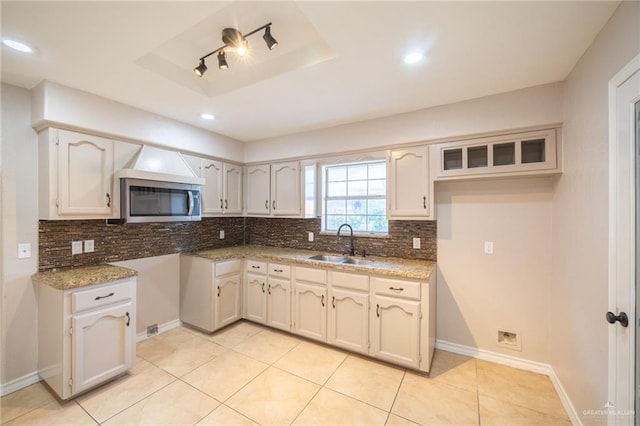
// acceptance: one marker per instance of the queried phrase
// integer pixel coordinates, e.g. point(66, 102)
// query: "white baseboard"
point(19, 383)
point(162, 328)
point(522, 364)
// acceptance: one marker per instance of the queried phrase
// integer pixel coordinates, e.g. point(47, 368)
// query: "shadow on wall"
point(450, 322)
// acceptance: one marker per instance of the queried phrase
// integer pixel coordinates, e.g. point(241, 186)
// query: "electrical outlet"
point(152, 330)
point(24, 250)
point(88, 246)
point(76, 247)
point(222, 234)
point(310, 235)
point(488, 247)
point(509, 339)
point(416, 243)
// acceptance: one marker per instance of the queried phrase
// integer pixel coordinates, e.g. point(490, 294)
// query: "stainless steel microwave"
point(157, 201)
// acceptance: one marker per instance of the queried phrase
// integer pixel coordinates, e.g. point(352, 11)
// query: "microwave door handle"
point(191, 203)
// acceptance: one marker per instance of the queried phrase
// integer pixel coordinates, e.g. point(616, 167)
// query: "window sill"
point(355, 234)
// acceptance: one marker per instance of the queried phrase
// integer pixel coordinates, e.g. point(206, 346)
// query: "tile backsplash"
point(115, 243)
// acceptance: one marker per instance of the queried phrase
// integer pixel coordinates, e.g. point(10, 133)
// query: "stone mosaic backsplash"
point(115, 243)
point(293, 233)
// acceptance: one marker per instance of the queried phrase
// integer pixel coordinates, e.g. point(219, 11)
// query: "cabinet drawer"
point(352, 281)
point(398, 288)
point(103, 295)
point(227, 267)
point(256, 267)
point(311, 275)
point(279, 270)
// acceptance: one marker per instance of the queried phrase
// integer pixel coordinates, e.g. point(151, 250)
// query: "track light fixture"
point(234, 41)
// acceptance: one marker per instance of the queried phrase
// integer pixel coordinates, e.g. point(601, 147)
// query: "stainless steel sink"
point(339, 259)
point(325, 258)
point(354, 261)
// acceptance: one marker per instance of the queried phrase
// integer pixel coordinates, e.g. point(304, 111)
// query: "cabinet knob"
point(622, 317)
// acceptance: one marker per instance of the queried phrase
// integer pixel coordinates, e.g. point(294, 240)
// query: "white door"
point(255, 308)
point(409, 183)
point(102, 345)
point(212, 198)
point(310, 307)
point(395, 329)
point(285, 189)
point(85, 173)
point(349, 320)
point(279, 304)
point(232, 189)
point(227, 302)
point(624, 94)
point(258, 198)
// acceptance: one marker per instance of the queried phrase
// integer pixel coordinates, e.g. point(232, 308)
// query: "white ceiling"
point(336, 63)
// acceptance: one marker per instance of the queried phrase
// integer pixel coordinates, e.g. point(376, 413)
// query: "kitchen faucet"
point(352, 249)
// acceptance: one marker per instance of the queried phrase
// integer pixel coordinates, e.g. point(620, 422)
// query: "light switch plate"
point(222, 234)
point(488, 247)
point(416, 243)
point(76, 247)
point(24, 251)
point(88, 246)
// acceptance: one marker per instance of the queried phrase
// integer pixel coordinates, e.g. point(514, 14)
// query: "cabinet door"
point(227, 301)
point(232, 189)
point(395, 329)
point(285, 189)
point(255, 308)
point(349, 320)
point(85, 173)
point(279, 303)
point(102, 345)
point(212, 197)
point(258, 199)
point(409, 183)
point(310, 307)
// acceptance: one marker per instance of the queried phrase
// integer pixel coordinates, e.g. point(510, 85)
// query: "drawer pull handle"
point(255, 267)
point(104, 297)
point(322, 301)
point(218, 291)
point(378, 311)
point(333, 302)
point(269, 288)
point(396, 289)
point(263, 287)
point(128, 319)
point(278, 270)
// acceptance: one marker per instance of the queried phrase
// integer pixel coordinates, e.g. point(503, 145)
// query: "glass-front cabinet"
point(535, 151)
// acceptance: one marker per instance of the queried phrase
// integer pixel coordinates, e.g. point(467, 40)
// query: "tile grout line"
point(404, 374)
point(477, 392)
point(88, 413)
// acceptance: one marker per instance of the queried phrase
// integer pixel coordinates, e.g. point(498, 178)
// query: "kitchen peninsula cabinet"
point(86, 335)
point(210, 292)
point(75, 175)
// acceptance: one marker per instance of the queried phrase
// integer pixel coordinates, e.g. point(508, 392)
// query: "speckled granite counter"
point(393, 266)
point(69, 278)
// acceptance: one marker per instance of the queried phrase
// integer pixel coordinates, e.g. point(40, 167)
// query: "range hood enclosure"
point(161, 165)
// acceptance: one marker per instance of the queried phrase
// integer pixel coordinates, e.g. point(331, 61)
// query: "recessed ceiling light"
point(208, 116)
point(16, 45)
point(414, 57)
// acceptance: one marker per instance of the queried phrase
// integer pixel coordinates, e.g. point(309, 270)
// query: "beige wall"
point(479, 293)
point(19, 225)
point(580, 216)
point(158, 293)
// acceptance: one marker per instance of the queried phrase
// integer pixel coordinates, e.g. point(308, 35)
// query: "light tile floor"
point(247, 375)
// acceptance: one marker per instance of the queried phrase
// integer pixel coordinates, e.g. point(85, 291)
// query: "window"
point(355, 194)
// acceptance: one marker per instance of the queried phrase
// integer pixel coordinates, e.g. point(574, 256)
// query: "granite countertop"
point(70, 278)
point(392, 266)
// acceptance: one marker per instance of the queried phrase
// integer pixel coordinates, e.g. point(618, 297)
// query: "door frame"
point(622, 256)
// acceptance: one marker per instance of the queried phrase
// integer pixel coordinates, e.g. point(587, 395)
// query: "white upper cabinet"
point(276, 189)
point(76, 176)
point(222, 191)
point(258, 197)
point(285, 189)
point(527, 153)
point(410, 189)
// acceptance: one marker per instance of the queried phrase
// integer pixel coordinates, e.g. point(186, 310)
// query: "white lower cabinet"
point(395, 325)
point(279, 303)
point(210, 292)
point(349, 311)
point(310, 303)
point(255, 299)
point(86, 336)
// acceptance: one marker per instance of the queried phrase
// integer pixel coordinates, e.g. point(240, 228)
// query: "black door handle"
point(622, 317)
